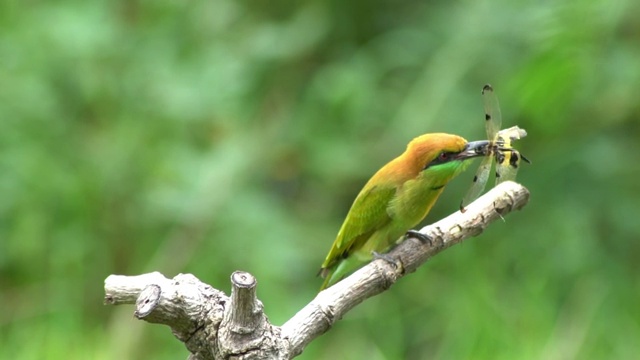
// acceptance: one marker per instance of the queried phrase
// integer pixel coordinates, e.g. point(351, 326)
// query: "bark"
point(213, 325)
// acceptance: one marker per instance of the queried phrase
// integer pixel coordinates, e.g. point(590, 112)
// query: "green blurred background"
point(211, 136)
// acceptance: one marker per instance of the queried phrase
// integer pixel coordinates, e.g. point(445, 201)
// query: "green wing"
point(368, 214)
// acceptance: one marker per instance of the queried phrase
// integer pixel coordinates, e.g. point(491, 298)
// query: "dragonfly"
point(498, 148)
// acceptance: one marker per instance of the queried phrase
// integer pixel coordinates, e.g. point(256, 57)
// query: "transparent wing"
point(492, 115)
point(511, 134)
point(479, 182)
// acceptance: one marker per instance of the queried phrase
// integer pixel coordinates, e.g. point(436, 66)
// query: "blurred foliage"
point(210, 136)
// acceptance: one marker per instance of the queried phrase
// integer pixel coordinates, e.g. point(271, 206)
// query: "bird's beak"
point(474, 149)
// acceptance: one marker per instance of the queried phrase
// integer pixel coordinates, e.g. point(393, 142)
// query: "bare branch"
point(214, 326)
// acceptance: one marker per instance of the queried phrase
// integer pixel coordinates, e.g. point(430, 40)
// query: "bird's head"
point(444, 154)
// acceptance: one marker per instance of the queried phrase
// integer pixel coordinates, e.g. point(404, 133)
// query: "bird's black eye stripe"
point(442, 158)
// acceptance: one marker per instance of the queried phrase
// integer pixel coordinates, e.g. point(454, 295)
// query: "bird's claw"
point(420, 236)
point(391, 260)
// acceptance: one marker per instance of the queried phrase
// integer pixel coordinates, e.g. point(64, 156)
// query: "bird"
point(395, 199)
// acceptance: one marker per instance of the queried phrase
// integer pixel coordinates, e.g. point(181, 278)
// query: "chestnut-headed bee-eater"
point(396, 199)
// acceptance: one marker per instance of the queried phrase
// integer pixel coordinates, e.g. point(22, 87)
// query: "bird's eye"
point(443, 157)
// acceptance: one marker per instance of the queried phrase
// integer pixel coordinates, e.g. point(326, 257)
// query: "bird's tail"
point(341, 270)
point(326, 274)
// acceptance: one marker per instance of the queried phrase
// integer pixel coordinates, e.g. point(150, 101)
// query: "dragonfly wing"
point(479, 182)
point(511, 134)
point(492, 115)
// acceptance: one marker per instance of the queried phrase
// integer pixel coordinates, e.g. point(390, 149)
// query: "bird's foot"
point(390, 259)
point(420, 236)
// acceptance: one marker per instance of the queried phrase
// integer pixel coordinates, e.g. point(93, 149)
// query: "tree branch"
point(214, 326)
